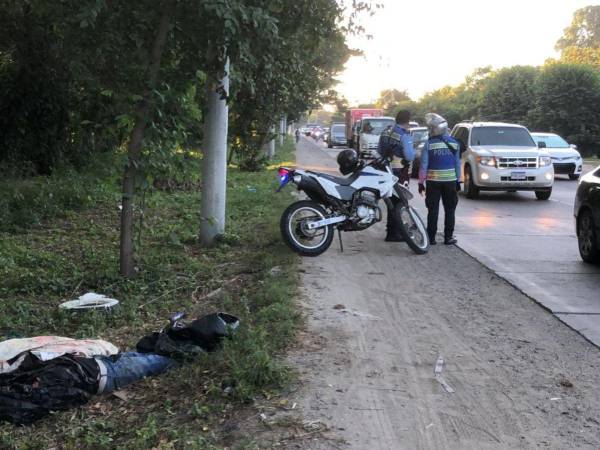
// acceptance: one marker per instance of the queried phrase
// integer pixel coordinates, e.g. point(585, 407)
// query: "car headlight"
point(487, 161)
point(545, 161)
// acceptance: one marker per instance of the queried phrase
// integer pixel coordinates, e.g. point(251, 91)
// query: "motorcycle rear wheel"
point(296, 234)
point(412, 228)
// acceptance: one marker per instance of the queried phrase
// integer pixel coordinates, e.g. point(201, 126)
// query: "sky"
point(421, 46)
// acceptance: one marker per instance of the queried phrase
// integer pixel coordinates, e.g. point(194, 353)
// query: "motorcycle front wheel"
point(413, 229)
point(294, 228)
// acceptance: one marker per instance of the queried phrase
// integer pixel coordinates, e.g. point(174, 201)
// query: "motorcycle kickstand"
point(340, 238)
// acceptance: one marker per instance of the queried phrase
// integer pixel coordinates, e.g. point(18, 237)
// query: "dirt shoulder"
point(378, 318)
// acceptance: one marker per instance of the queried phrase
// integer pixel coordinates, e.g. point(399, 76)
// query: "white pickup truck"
point(502, 157)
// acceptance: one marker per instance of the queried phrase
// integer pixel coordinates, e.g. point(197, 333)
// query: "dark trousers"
point(446, 190)
point(392, 228)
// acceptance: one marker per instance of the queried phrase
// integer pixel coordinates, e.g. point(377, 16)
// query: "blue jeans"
point(128, 368)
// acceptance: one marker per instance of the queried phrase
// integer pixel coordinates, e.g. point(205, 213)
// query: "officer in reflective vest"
point(396, 142)
point(440, 170)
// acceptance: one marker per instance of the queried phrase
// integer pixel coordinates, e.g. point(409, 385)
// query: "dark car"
point(419, 137)
point(587, 216)
point(337, 135)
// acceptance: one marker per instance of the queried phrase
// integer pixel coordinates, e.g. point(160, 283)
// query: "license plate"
point(518, 175)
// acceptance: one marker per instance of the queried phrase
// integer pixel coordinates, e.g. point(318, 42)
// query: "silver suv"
point(502, 157)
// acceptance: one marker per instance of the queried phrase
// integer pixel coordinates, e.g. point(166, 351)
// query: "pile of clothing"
point(52, 373)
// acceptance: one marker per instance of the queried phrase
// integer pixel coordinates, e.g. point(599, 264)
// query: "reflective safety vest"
point(442, 159)
point(392, 142)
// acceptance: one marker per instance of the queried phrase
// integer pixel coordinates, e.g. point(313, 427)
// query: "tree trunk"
point(135, 142)
point(214, 160)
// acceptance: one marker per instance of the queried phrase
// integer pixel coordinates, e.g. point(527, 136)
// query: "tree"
point(388, 98)
point(142, 112)
point(509, 94)
point(568, 103)
point(34, 91)
point(584, 30)
point(580, 43)
point(442, 101)
point(297, 79)
point(578, 55)
point(124, 74)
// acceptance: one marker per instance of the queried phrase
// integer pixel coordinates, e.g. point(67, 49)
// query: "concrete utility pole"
point(271, 144)
point(281, 130)
point(214, 161)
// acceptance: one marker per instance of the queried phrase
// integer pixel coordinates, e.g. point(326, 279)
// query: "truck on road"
point(353, 119)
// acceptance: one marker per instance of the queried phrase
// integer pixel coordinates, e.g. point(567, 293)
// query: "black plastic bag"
point(180, 340)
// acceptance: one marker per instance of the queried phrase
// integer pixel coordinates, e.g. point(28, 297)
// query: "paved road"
point(531, 244)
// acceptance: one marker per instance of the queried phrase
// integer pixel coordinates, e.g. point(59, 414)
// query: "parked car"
point(370, 130)
point(565, 158)
point(419, 137)
point(337, 135)
point(587, 216)
point(502, 157)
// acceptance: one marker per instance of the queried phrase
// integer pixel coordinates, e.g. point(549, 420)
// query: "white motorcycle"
point(348, 204)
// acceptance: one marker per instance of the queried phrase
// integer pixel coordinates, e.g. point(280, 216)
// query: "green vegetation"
point(76, 77)
point(562, 96)
point(82, 78)
point(593, 161)
point(60, 256)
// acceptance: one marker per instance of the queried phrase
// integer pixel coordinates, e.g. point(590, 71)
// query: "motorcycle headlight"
point(545, 161)
point(486, 161)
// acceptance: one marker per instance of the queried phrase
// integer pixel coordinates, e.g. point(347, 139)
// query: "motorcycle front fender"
point(402, 192)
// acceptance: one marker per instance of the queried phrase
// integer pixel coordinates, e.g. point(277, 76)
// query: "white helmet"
point(437, 124)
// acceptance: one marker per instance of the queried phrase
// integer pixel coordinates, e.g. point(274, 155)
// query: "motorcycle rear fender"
point(313, 189)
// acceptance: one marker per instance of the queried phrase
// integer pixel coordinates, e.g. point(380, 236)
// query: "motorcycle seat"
point(342, 181)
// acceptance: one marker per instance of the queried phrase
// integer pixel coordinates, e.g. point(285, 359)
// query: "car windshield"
point(338, 129)
point(502, 136)
point(420, 135)
point(552, 140)
point(373, 126)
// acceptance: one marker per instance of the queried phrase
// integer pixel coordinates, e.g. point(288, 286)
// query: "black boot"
point(393, 237)
point(450, 240)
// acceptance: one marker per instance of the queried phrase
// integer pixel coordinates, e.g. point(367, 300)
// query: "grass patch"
point(75, 250)
point(592, 160)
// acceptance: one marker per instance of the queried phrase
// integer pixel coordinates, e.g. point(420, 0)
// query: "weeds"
point(72, 251)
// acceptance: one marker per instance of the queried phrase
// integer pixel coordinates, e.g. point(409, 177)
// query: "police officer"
point(396, 142)
point(440, 169)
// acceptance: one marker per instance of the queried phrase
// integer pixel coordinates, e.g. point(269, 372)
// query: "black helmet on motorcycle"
point(348, 161)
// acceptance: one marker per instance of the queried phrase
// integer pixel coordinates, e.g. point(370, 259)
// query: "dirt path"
point(378, 319)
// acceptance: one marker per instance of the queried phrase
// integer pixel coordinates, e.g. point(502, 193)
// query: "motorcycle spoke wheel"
point(301, 234)
point(414, 230)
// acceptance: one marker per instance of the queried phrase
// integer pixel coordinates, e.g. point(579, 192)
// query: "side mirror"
point(541, 144)
point(573, 146)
